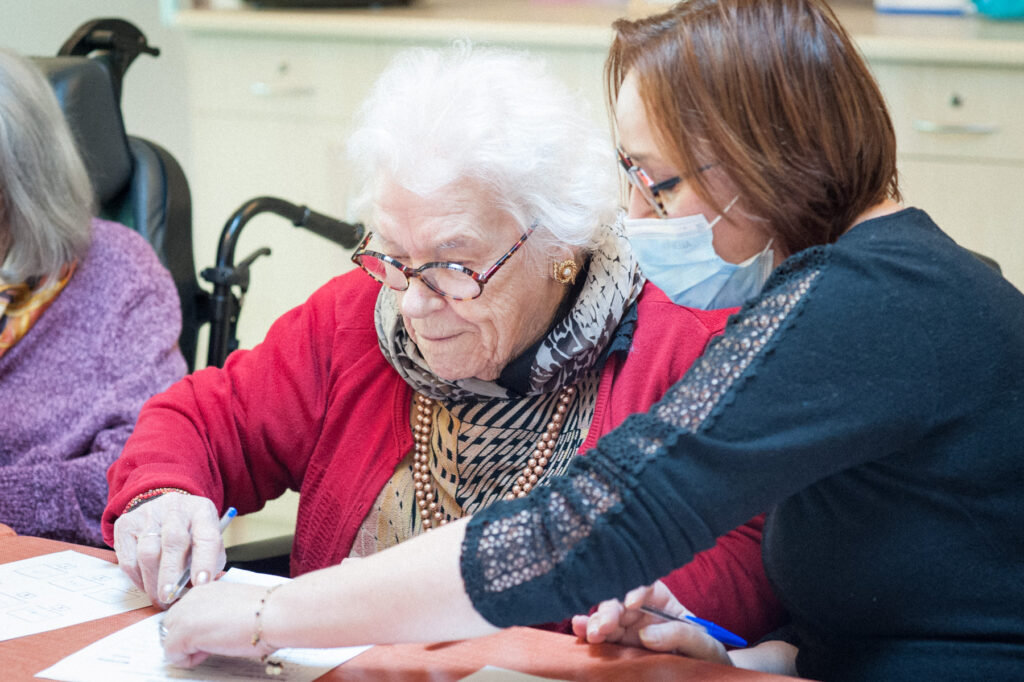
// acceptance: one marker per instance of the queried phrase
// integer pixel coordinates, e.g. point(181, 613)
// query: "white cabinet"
point(270, 117)
point(960, 134)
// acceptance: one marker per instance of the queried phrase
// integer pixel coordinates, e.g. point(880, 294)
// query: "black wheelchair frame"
point(114, 44)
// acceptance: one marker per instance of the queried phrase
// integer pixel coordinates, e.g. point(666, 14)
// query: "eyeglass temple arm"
point(508, 254)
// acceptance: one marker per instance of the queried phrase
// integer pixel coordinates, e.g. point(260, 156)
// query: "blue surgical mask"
point(677, 255)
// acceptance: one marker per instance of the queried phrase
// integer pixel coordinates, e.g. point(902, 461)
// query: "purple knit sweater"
point(70, 389)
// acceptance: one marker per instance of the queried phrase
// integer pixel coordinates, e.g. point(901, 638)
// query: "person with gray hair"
point(89, 322)
point(498, 324)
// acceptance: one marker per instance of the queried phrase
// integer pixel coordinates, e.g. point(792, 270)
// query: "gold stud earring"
point(565, 271)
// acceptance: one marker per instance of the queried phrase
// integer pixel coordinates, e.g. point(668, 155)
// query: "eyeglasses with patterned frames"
point(452, 280)
point(648, 189)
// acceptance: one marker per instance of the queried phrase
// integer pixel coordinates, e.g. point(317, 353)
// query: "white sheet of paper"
point(60, 589)
point(135, 653)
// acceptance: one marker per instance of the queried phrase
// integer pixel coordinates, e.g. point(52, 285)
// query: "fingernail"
point(202, 578)
point(166, 592)
point(649, 635)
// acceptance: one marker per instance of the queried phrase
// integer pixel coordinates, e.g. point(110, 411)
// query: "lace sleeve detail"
point(575, 542)
point(516, 555)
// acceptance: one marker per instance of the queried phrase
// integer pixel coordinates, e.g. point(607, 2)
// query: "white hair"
point(46, 199)
point(495, 116)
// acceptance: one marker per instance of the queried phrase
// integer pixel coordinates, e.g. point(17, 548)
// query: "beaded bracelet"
point(150, 495)
point(272, 667)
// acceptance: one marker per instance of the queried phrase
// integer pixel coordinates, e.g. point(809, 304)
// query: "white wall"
point(155, 87)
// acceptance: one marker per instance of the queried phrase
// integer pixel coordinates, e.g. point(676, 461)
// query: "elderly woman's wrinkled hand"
point(624, 623)
point(155, 542)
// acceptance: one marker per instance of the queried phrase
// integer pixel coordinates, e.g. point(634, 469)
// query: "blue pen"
point(716, 631)
point(187, 574)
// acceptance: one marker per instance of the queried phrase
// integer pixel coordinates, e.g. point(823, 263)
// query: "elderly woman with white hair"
point(497, 327)
point(89, 322)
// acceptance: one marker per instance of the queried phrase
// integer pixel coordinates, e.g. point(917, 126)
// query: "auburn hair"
point(774, 93)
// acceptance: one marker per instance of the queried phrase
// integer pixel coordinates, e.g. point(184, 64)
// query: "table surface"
point(537, 652)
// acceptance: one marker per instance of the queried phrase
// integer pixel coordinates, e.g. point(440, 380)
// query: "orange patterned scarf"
point(21, 304)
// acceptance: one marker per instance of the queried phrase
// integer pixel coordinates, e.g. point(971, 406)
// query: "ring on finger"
point(162, 630)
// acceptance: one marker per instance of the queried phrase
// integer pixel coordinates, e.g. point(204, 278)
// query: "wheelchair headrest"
point(85, 91)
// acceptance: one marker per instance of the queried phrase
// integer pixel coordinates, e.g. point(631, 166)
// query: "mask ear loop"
point(757, 255)
point(724, 211)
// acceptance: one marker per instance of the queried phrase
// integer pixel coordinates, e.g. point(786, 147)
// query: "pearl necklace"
point(426, 499)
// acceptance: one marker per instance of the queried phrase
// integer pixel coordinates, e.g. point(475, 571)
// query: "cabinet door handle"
point(269, 90)
point(923, 126)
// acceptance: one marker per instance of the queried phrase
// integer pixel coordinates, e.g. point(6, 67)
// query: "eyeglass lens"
point(640, 183)
point(443, 280)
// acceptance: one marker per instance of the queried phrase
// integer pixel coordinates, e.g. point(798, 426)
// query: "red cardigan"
point(316, 408)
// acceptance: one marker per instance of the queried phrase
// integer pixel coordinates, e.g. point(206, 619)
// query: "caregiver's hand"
point(623, 622)
point(215, 618)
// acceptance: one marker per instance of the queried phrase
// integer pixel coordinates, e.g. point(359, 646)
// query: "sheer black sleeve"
point(741, 431)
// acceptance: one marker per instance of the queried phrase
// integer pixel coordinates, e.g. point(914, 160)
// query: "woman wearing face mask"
point(680, 253)
point(870, 394)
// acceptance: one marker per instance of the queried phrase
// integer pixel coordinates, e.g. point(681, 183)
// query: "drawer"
point(293, 78)
point(955, 111)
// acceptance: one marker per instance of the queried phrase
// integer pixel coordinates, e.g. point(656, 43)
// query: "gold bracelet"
point(272, 667)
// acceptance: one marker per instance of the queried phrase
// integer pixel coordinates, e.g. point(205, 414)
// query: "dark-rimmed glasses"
point(648, 189)
point(453, 280)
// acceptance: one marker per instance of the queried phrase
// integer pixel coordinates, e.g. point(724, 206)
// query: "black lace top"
point(872, 397)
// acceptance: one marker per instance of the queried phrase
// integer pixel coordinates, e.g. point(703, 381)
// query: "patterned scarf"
point(481, 435)
point(23, 303)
